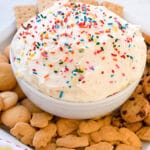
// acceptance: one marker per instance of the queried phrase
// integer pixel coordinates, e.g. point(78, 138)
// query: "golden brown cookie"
point(130, 138)
point(146, 38)
point(15, 114)
point(146, 86)
point(116, 8)
point(148, 56)
point(100, 146)
point(9, 99)
point(19, 92)
point(106, 133)
point(66, 126)
point(44, 136)
point(7, 78)
point(144, 133)
point(6, 51)
point(1, 104)
point(147, 119)
point(62, 148)
point(40, 120)
point(72, 141)
point(138, 91)
point(135, 109)
point(117, 121)
point(49, 146)
point(3, 59)
point(24, 13)
point(134, 126)
point(24, 132)
point(30, 106)
point(126, 147)
point(89, 126)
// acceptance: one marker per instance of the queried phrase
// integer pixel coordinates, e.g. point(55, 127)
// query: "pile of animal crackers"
point(124, 129)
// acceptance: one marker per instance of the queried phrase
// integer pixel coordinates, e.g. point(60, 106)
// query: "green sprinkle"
point(78, 70)
point(54, 39)
point(43, 16)
point(61, 62)
point(38, 43)
point(112, 75)
point(97, 43)
point(116, 40)
point(55, 71)
point(110, 36)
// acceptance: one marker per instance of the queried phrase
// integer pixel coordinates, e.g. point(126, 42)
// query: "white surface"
point(7, 140)
point(136, 11)
point(7, 19)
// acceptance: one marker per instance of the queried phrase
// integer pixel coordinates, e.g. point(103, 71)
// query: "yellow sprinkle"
point(8, 148)
point(18, 61)
point(50, 12)
point(17, 73)
point(115, 29)
point(74, 80)
point(81, 68)
point(95, 40)
point(32, 54)
point(45, 44)
point(52, 33)
point(22, 54)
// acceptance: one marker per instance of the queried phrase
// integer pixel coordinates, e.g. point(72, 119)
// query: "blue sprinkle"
point(61, 94)
point(81, 40)
point(18, 58)
point(34, 72)
point(110, 23)
point(67, 81)
point(129, 45)
point(85, 18)
point(57, 26)
point(38, 19)
point(112, 75)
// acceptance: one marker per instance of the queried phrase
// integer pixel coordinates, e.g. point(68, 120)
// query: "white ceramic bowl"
point(74, 110)
point(71, 109)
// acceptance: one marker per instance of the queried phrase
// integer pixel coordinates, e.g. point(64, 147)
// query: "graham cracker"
point(116, 8)
point(24, 13)
point(44, 4)
point(146, 38)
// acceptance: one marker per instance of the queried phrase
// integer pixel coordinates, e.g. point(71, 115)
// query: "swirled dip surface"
point(78, 52)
